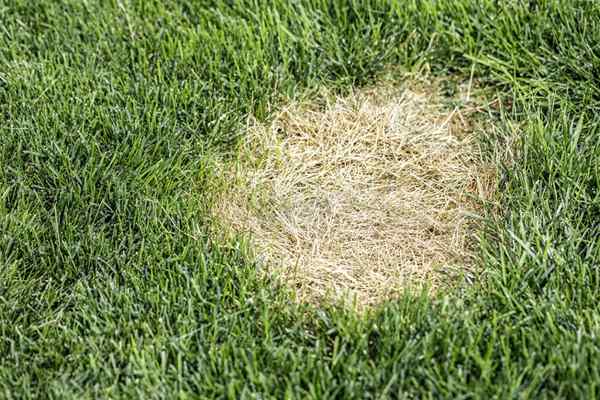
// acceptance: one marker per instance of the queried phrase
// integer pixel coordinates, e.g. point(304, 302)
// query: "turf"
point(112, 115)
point(363, 197)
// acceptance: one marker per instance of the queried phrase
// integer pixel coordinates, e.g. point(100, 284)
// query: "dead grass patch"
point(364, 195)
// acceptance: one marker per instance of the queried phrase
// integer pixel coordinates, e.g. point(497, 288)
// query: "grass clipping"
point(362, 197)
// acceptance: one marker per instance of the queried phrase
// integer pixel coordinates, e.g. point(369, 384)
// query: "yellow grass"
point(362, 197)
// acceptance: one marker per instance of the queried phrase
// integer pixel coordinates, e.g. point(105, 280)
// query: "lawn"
point(115, 117)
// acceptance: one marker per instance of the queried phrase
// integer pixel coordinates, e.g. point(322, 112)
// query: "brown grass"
point(364, 196)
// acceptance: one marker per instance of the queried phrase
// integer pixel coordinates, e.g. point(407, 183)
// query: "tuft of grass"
point(114, 117)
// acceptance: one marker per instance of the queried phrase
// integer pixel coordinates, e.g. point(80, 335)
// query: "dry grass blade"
point(362, 197)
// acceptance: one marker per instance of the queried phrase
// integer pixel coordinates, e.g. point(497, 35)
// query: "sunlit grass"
point(113, 116)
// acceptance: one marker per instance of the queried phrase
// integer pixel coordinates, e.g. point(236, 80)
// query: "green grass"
point(111, 116)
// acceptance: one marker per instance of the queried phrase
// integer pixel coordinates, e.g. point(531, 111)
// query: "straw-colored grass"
point(362, 196)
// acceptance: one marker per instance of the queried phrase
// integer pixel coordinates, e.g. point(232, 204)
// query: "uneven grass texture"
point(361, 197)
point(114, 119)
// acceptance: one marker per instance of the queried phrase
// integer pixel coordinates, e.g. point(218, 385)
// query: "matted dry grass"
point(363, 196)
